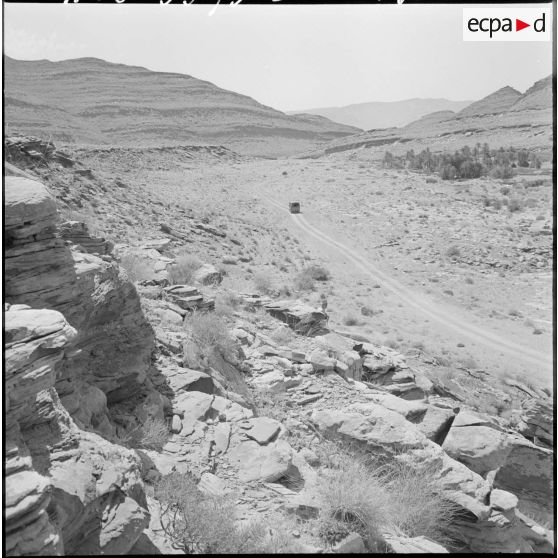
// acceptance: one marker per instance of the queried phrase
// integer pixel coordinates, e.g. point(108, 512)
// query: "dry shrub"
point(282, 334)
point(152, 434)
point(137, 268)
point(198, 523)
point(226, 303)
point(371, 500)
point(350, 320)
point(418, 505)
point(305, 279)
point(354, 497)
point(184, 269)
point(209, 333)
point(264, 283)
point(453, 252)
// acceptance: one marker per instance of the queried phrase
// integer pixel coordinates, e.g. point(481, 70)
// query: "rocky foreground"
point(92, 357)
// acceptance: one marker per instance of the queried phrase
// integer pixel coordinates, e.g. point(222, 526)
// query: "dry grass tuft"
point(305, 279)
point(371, 500)
point(137, 268)
point(264, 283)
point(184, 269)
point(227, 303)
point(209, 333)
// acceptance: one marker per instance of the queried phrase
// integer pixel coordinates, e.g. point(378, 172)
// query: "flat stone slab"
point(263, 430)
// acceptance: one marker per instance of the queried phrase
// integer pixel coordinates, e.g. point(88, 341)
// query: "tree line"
point(465, 162)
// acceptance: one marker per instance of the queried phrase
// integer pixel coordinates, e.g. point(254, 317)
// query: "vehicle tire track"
point(473, 332)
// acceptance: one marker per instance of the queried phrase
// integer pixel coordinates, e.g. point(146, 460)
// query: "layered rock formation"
point(75, 339)
point(114, 340)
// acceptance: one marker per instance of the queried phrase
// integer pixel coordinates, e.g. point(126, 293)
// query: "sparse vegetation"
point(263, 282)
point(305, 279)
point(365, 497)
point(184, 269)
point(152, 434)
point(369, 312)
point(514, 205)
point(453, 252)
point(137, 268)
point(282, 334)
point(465, 162)
point(227, 303)
point(210, 334)
point(198, 523)
point(350, 320)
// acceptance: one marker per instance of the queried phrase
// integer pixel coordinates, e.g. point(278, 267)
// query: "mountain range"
point(385, 114)
point(95, 102)
point(505, 118)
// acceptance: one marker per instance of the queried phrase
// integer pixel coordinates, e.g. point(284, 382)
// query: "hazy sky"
point(288, 57)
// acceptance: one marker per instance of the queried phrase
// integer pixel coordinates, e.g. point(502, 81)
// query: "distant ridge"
point(504, 118)
point(495, 103)
point(376, 115)
point(91, 101)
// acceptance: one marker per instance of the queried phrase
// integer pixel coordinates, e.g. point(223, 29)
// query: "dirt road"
point(539, 364)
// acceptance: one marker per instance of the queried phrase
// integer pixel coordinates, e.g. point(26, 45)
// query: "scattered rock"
point(352, 543)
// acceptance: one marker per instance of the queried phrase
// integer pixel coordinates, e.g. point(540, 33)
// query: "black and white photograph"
point(279, 277)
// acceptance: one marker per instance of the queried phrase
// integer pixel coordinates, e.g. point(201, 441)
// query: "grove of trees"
point(465, 162)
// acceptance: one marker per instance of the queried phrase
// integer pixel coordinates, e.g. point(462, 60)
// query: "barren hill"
point(538, 96)
point(386, 114)
point(503, 118)
point(495, 103)
point(92, 101)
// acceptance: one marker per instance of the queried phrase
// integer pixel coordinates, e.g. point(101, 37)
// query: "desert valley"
point(192, 368)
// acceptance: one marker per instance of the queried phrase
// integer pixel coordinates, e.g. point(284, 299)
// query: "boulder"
point(411, 410)
point(299, 316)
point(520, 466)
point(536, 420)
point(380, 429)
point(263, 429)
point(435, 423)
point(352, 543)
point(320, 361)
point(527, 471)
point(184, 379)
point(275, 381)
point(78, 233)
point(266, 463)
point(208, 274)
point(482, 448)
point(415, 545)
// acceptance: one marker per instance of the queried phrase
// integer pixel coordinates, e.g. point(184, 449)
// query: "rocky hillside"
point(131, 376)
point(504, 118)
point(495, 103)
point(91, 101)
point(375, 115)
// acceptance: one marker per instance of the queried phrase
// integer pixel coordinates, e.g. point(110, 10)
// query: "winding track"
point(473, 332)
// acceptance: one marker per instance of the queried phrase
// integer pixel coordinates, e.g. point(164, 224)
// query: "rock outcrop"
point(536, 420)
point(75, 340)
point(114, 339)
point(514, 463)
